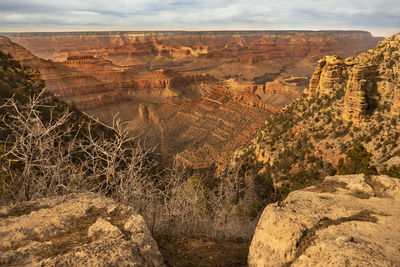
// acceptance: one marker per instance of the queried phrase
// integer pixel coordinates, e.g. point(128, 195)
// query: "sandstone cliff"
point(94, 82)
point(368, 80)
point(75, 230)
point(329, 74)
point(345, 221)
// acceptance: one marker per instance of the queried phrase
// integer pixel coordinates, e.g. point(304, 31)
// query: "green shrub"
point(393, 171)
point(357, 161)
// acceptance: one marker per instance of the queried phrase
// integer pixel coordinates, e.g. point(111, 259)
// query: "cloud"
point(44, 15)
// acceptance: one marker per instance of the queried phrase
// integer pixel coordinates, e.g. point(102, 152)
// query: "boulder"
point(75, 230)
point(350, 220)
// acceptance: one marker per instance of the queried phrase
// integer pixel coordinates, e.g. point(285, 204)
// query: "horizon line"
point(215, 30)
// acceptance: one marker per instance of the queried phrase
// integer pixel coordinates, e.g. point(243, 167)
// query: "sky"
point(381, 17)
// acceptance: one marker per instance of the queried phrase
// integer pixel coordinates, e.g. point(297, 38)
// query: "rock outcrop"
point(75, 230)
point(350, 220)
point(396, 102)
point(370, 80)
point(77, 79)
point(328, 75)
point(349, 102)
point(167, 83)
point(359, 92)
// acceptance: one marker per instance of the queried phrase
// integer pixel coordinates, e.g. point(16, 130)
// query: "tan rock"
point(328, 76)
point(75, 230)
point(360, 92)
point(396, 102)
point(348, 220)
point(369, 80)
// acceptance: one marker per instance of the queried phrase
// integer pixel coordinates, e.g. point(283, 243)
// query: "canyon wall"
point(201, 132)
point(244, 54)
point(369, 81)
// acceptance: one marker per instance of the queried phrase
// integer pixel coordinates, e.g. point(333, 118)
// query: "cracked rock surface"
point(75, 230)
point(351, 220)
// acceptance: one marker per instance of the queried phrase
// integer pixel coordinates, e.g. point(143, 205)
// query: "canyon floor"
point(202, 251)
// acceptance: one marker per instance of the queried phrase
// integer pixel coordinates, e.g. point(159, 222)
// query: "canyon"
point(249, 55)
point(189, 94)
point(346, 117)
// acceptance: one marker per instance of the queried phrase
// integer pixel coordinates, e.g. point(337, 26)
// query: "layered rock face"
point(201, 132)
point(94, 82)
point(396, 103)
point(243, 54)
point(87, 77)
point(349, 102)
point(75, 230)
point(345, 221)
point(369, 80)
point(359, 92)
point(329, 73)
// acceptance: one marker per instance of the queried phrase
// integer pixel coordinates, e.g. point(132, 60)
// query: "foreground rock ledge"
point(351, 220)
point(75, 230)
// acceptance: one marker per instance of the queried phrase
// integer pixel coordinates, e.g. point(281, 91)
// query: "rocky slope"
point(348, 220)
point(202, 132)
point(349, 101)
point(68, 79)
point(368, 80)
point(75, 230)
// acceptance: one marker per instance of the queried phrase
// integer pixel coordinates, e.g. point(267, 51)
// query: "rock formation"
point(349, 102)
point(344, 221)
point(396, 102)
point(168, 83)
point(75, 230)
point(76, 80)
point(359, 92)
point(81, 60)
point(370, 80)
point(328, 75)
point(193, 130)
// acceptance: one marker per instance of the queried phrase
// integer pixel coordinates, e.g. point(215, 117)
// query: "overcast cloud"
point(381, 17)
